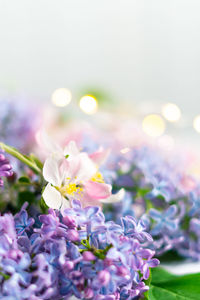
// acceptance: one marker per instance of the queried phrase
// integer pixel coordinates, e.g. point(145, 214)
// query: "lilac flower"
point(86, 216)
point(48, 262)
point(117, 210)
point(103, 278)
point(118, 251)
point(164, 220)
point(10, 266)
point(135, 229)
point(195, 199)
point(149, 263)
point(195, 226)
point(138, 253)
point(129, 293)
point(168, 242)
point(153, 176)
point(22, 221)
point(12, 290)
point(69, 284)
point(19, 119)
point(51, 224)
point(164, 189)
point(5, 168)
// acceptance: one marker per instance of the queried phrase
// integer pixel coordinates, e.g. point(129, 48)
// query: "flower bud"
point(89, 293)
point(88, 256)
point(103, 277)
point(69, 221)
point(69, 265)
point(122, 271)
point(73, 235)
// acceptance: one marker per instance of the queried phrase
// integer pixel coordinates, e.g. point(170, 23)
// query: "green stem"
point(5, 276)
point(149, 204)
point(14, 152)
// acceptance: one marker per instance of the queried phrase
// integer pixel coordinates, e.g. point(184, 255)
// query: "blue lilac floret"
point(74, 254)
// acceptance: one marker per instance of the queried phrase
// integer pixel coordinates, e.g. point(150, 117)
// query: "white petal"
point(86, 169)
point(65, 204)
point(51, 171)
point(45, 142)
point(52, 197)
point(115, 197)
point(71, 149)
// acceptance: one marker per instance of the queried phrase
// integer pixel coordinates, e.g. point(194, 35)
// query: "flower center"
point(70, 189)
point(98, 178)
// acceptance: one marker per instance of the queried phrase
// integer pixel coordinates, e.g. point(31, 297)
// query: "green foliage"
point(25, 196)
point(43, 206)
point(166, 286)
point(24, 180)
point(171, 256)
point(148, 282)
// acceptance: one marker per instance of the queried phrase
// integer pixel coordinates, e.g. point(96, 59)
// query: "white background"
point(138, 50)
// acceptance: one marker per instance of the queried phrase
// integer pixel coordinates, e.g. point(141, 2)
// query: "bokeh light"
point(125, 150)
point(61, 97)
point(153, 125)
point(196, 123)
point(171, 112)
point(88, 104)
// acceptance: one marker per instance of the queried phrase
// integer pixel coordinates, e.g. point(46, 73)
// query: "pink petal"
point(100, 156)
point(97, 190)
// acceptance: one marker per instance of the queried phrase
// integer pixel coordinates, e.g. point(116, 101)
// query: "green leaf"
point(170, 256)
point(147, 282)
point(161, 275)
point(36, 160)
point(142, 192)
point(166, 286)
point(43, 206)
point(24, 179)
point(26, 196)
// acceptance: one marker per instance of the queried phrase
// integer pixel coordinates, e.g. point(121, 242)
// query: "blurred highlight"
point(171, 112)
point(61, 97)
point(196, 123)
point(153, 125)
point(88, 104)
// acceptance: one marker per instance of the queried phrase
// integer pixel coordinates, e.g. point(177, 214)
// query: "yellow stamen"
point(70, 189)
point(98, 178)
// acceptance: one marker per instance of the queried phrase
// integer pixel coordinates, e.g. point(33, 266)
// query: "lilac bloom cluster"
point(74, 254)
point(191, 240)
point(5, 168)
point(18, 123)
point(159, 192)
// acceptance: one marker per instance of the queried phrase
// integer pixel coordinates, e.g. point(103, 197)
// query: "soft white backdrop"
point(139, 50)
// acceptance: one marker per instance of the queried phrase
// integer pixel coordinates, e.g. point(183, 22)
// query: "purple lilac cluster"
point(79, 254)
point(18, 122)
point(190, 246)
point(5, 168)
point(159, 192)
